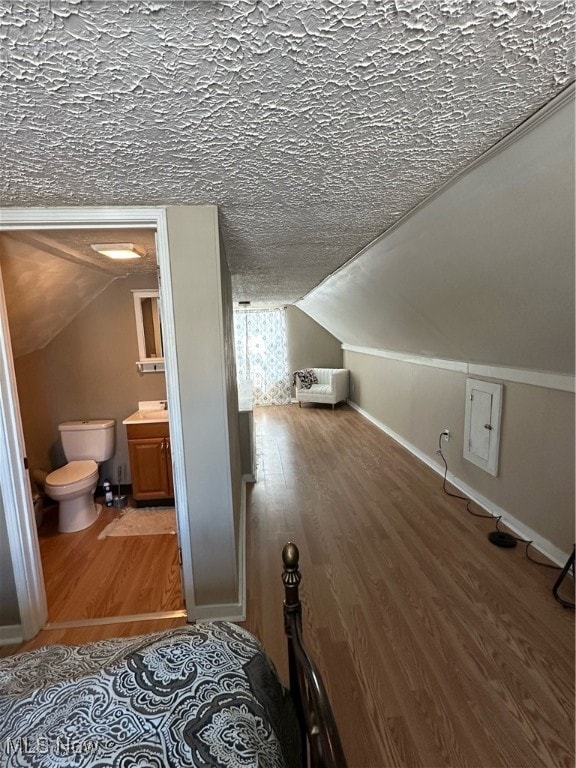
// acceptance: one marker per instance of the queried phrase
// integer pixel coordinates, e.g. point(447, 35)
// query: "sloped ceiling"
point(483, 272)
point(314, 126)
point(49, 278)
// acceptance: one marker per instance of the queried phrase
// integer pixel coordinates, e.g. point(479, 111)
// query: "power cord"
point(497, 518)
point(457, 495)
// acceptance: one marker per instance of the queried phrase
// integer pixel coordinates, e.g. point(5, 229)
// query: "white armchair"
point(332, 386)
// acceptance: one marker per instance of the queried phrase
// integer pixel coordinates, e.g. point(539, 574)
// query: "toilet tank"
point(90, 439)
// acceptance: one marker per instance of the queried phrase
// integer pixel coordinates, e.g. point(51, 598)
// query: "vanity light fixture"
point(119, 250)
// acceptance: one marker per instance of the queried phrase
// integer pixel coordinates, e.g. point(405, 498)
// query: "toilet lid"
point(72, 472)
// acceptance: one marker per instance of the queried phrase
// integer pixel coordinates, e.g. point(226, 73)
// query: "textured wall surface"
point(313, 126)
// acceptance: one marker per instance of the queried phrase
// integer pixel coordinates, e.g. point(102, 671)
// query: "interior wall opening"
point(71, 320)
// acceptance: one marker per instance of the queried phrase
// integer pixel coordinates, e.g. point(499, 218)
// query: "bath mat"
point(146, 521)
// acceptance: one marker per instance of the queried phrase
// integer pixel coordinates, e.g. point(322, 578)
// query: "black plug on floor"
point(501, 539)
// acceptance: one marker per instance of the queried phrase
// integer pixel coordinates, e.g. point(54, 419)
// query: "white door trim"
point(16, 494)
point(18, 507)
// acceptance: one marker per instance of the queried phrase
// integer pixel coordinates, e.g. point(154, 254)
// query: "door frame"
point(16, 493)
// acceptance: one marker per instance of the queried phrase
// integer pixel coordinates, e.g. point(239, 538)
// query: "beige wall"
point(37, 396)
point(309, 344)
point(204, 383)
point(229, 361)
point(88, 371)
point(535, 483)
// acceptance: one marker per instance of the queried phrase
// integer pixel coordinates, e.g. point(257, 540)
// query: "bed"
point(200, 695)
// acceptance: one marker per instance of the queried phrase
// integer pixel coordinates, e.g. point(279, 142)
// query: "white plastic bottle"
point(107, 493)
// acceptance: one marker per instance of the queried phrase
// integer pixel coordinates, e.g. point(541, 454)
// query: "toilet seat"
point(72, 473)
point(73, 486)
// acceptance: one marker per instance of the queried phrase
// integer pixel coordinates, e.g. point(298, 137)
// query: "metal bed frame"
point(320, 741)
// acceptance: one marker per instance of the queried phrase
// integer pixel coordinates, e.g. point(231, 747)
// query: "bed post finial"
point(291, 576)
point(290, 555)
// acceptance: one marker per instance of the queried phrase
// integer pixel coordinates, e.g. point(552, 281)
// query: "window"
point(262, 355)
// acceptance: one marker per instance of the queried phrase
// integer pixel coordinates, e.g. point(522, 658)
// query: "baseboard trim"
point(544, 546)
point(11, 634)
point(230, 612)
point(130, 619)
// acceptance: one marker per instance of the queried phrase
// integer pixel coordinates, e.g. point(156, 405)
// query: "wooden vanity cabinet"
point(150, 461)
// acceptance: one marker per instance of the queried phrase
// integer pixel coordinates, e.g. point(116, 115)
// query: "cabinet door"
point(482, 424)
point(149, 468)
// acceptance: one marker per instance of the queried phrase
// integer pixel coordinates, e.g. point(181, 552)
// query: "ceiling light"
point(119, 250)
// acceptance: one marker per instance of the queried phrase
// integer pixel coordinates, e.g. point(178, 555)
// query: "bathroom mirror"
point(149, 331)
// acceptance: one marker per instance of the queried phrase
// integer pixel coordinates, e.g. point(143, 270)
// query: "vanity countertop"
point(149, 412)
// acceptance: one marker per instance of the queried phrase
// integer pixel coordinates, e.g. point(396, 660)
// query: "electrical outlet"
point(446, 434)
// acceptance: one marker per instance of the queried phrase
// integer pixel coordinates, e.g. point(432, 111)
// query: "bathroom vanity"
point(148, 436)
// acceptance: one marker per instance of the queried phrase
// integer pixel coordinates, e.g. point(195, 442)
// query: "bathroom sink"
point(148, 411)
point(155, 415)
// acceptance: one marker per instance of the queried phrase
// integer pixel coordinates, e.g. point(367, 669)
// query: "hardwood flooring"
point(437, 648)
point(90, 578)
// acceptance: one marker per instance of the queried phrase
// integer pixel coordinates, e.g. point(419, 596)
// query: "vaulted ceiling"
point(314, 126)
point(49, 277)
point(483, 271)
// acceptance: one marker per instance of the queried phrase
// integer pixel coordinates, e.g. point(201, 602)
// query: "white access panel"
point(482, 424)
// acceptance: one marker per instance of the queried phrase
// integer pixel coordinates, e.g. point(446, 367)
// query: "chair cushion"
point(324, 375)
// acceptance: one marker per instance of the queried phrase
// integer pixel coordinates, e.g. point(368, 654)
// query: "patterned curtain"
point(262, 355)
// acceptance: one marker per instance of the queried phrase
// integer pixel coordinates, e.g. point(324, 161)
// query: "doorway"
point(23, 540)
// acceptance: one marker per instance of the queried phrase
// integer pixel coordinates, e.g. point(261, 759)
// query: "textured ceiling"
point(481, 273)
point(74, 245)
point(312, 125)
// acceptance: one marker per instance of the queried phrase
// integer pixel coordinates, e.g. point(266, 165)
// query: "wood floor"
point(91, 578)
point(438, 649)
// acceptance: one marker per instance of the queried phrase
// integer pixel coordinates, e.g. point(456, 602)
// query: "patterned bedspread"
point(204, 695)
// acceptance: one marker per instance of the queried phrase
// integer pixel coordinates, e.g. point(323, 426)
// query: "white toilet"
point(86, 444)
